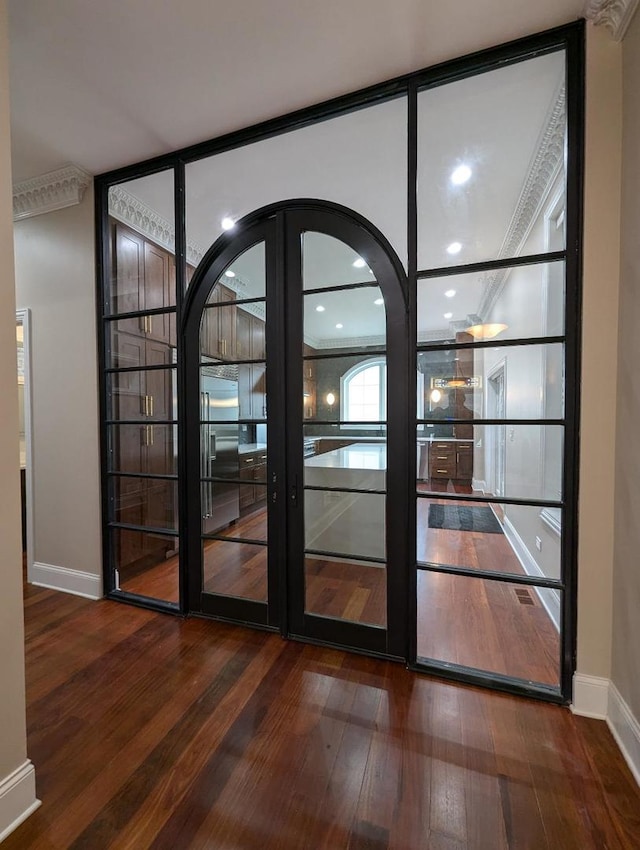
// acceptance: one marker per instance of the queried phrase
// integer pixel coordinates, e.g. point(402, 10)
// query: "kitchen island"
point(341, 521)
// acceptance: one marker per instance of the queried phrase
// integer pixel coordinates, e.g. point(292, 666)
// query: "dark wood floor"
point(506, 628)
point(148, 731)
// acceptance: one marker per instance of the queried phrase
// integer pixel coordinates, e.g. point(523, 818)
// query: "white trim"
point(76, 582)
point(625, 729)
point(551, 520)
point(616, 15)
point(590, 696)
point(479, 485)
point(17, 798)
point(549, 597)
point(52, 191)
point(24, 317)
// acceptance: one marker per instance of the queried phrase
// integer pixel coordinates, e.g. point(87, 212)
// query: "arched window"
point(363, 396)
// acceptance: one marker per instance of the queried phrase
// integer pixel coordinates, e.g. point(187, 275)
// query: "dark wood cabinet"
point(309, 385)
point(448, 460)
point(253, 471)
point(218, 335)
point(143, 280)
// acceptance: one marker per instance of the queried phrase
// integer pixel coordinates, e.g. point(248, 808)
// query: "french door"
point(297, 466)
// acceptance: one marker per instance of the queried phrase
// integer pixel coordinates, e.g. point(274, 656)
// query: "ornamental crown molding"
point(133, 212)
point(54, 190)
point(616, 15)
point(544, 168)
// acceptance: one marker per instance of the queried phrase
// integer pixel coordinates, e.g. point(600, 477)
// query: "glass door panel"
point(345, 458)
point(233, 434)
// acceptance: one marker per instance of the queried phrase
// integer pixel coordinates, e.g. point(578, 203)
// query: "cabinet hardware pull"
point(248, 460)
point(263, 457)
point(151, 435)
point(441, 458)
point(142, 324)
point(442, 470)
point(150, 405)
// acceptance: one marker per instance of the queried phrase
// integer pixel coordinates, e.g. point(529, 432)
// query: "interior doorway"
point(23, 345)
point(496, 409)
point(294, 391)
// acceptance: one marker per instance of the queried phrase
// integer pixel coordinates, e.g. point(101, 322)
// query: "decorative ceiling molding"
point(544, 168)
point(48, 192)
point(615, 15)
point(133, 212)
point(345, 342)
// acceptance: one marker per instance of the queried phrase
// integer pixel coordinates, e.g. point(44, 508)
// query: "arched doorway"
point(296, 517)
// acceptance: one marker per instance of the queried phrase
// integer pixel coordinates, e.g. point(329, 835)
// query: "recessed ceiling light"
point(339, 326)
point(450, 293)
point(229, 273)
point(454, 248)
point(320, 308)
point(227, 223)
point(359, 263)
point(460, 175)
point(379, 301)
point(448, 315)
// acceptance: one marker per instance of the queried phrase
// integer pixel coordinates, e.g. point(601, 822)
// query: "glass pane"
point(491, 163)
point(333, 159)
point(490, 625)
point(497, 460)
point(233, 333)
point(145, 341)
point(318, 439)
point(146, 563)
point(235, 569)
point(502, 538)
point(143, 244)
point(517, 382)
point(348, 319)
point(134, 448)
point(151, 502)
point(526, 301)
point(350, 524)
point(253, 522)
point(232, 392)
point(146, 395)
point(220, 507)
point(360, 465)
point(346, 589)
point(329, 262)
point(350, 388)
point(244, 278)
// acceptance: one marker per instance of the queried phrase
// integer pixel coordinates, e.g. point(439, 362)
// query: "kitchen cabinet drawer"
point(450, 459)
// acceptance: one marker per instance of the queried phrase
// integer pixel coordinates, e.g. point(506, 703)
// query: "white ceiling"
point(106, 84)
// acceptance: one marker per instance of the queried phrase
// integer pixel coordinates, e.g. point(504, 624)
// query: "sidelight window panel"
point(491, 150)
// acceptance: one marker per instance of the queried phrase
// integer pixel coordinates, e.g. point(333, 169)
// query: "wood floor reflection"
point(488, 625)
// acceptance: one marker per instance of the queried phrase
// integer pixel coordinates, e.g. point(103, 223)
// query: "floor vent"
point(524, 597)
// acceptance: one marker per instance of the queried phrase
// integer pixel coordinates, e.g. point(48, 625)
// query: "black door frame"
point(280, 226)
point(570, 38)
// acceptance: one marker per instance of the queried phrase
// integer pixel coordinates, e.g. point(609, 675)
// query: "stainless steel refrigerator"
point(219, 448)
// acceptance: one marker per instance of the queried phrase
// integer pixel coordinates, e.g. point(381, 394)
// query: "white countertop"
point(248, 448)
point(357, 456)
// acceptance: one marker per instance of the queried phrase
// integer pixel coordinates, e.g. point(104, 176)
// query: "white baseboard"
point(17, 798)
point(549, 597)
point(625, 729)
point(76, 582)
point(479, 485)
point(590, 696)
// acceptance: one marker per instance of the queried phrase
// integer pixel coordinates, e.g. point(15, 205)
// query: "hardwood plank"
point(171, 733)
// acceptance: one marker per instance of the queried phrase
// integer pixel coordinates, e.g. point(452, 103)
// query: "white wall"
point(626, 576)
point(17, 780)
point(522, 307)
point(55, 278)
